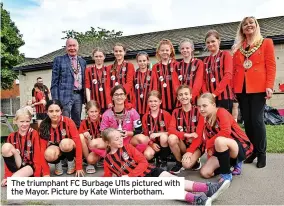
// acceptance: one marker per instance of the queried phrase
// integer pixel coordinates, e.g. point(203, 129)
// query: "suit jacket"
point(62, 82)
point(262, 73)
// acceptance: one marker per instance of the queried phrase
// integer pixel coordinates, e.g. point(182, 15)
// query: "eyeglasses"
point(119, 95)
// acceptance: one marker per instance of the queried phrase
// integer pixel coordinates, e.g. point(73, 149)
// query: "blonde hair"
point(155, 93)
point(165, 42)
point(106, 136)
point(22, 112)
point(186, 40)
point(98, 49)
point(214, 33)
point(212, 100)
point(92, 103)
point(240, 36)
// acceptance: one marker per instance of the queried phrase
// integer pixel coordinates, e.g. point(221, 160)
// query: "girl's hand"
point(79, 173)
point(87, 135)
point(154, 135)
point(155, 147)
point(269, 93)
point(4, 183)
point(186, 158)
point(124, 175)
point(46, 176)
point(193, 135)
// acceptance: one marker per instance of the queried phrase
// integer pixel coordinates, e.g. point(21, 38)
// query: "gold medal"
point(180, 77)
point(247, 64)
point(101, 89)
point(165, 85)
point(141, 96)
point(116, 83)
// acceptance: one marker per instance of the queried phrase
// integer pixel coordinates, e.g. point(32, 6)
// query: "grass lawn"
point(275, 137)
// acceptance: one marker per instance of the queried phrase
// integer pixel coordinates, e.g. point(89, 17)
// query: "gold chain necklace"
point(248, 63)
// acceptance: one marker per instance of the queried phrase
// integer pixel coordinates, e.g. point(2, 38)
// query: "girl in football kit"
point(126, 161)
point(59, 139)
point(218, 70)
point(125, 119)
point(183, 128)
point(226, 143)
point(155, 125)
point(120, 72)
point(21, 152)
point(93, 146)
point(145, 80)
point(190, 70)
point(164, 69)
point(95, 79)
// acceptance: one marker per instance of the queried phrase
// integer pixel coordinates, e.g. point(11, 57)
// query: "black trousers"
point(226, 104)
point(252, 110)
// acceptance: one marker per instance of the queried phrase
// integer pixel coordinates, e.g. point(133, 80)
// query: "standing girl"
point(167, 85)
point(218, 69)
point(225, 142)
point(125, 119)
point(59, 139)
point(126, 161)
point(120, 72)
point(95, 81)
point(90, 136)
point(254, 76)
point(183, 128)
point(155, 125)
point(190, 70)
point(145, 80)
point(21, 152)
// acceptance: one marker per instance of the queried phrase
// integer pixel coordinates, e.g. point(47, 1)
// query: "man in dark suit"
point(67, 83)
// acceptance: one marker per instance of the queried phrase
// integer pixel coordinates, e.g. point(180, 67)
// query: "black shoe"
point(250, 158)
point(202, 199)
point(164, 165)
point(177, 168)
point(197, 165)
point(216, 189)
point(261, 161)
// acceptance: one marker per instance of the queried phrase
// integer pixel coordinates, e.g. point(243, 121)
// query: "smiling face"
point(23, 123)
point(54, 112)
point(165, 51)
point(212, 44)
point(72, 47)
point(142, 61)
point(99, 57)
point(93, 113)
point(119, 53)
point(154, 103)
point(206, 107)
point(184, 96)
point(249, 26)
point(115, 140)
point(119, 97)
point(186, 49)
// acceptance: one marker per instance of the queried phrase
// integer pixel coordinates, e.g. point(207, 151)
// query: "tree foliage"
point(11, 41)
point(93, 34)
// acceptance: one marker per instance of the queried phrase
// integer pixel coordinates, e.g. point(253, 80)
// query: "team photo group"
point(153, 120)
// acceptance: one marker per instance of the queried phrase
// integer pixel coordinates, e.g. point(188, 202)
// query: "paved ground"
point(254, 187)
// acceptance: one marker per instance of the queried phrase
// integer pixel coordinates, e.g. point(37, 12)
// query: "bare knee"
point(66, 145)
point(164, 140)
point(142, 139)
point(220, 144)
point(92, 158)
point(173, 140)
point(205, 173)
point(51, 155)
point(8, 149)
point(149, 155)
point(82, 138)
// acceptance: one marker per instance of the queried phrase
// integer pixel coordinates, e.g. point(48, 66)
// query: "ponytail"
point(44, 128)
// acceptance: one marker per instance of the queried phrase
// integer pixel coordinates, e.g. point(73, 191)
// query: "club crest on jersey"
point(125, 156)
point(162, 123)
point(29, 143)
point(63, 132)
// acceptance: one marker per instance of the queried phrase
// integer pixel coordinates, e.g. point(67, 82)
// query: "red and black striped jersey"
point(226, 126)
point(66, 128)
point(184, 122)
point(92, 127)
point(126, 161)
point(95, 80)
point(218, 71)
point(143, 83)
point(191, 74)
point(167, 85)
point(160, 123)
point(124, 75)
point(40, 107)
point(29, 149)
